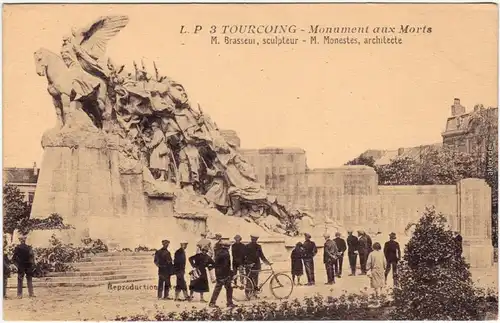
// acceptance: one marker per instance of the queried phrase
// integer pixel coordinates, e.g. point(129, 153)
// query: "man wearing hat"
point(341, 246)
point(392, 254)
point(364, 246)
point(163, 260)
point(310, 251)
point(253, 256)
point(238, 253)
point(24, 259)
point(330, 254)
point(217, 245)
point(204, 243)
point(180, 271)
point(352, 251)
point(223, 275)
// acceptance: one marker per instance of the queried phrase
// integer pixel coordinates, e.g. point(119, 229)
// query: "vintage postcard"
point(173, 162)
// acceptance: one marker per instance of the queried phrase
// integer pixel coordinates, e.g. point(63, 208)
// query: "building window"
point(31, 197)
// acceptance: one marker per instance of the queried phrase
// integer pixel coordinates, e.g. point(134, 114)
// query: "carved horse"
point(61, 86)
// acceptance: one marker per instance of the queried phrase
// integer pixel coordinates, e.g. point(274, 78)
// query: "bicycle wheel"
point(243, 288)
point(281, 286)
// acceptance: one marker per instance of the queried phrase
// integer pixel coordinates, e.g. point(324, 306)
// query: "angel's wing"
point(96, 37)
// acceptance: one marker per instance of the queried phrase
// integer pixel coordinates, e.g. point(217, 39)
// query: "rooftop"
point(20, 175)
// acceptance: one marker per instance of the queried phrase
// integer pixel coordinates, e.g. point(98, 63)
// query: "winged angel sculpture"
point(78, 79)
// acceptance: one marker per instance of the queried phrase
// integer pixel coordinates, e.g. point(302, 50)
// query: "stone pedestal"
point(474, 212)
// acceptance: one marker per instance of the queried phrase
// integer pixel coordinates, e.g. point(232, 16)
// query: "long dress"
point(297, 264)
point(202, 262)
point(376, 264)
point(157, 160)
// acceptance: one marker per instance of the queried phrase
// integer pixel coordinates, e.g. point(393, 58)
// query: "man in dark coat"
point(392, 254)
point(238, 254)
point(342, 247)
point(6, 274)
point(330, 254)
point(253, 255)
point(180, 271)
point(163, 260)
point(457, 239)
point(352, 251)
point(364, 247)
point(310, 251)
point(223, 275)
point(217, 245)
point(24, 259)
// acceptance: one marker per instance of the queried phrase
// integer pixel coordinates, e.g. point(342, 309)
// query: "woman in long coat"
point(375, 266)
point(201, 262)
point(297, 264)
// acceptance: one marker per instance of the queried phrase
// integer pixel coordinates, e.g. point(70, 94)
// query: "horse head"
point(41, 61)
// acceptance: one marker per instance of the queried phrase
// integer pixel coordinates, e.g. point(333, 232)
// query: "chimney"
point(35, 170)
point(457, 109)
point(401, 151)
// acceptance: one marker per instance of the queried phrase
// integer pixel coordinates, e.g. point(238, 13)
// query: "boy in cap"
point(310, 251)
point(330, 254)
point(163, 260)
point(238, 254)
point(392, 254)
point(180, 271)
point(223, 275)
point(342, 247)
point(24, 259)
point(217, 245)
point(204, 243)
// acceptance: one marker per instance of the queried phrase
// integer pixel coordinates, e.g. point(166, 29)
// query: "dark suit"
point(392, 254)
point(223, 275)
point(364, 246)
point(24, 260)
point(310, 251)
point(342, 247)
point(352, 244)
point(238, 255)
point(180, 270)
point(163, 259)
point(330, 254)
point(253, 255)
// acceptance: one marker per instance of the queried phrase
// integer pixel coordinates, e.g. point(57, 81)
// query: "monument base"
point(478, 253)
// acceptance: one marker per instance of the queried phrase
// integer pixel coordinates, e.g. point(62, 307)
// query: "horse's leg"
point(59, 111)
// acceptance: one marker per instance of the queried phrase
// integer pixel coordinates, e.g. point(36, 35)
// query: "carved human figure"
point(159, 157)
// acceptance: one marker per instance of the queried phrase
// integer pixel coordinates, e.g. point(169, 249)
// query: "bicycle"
point(278, 281)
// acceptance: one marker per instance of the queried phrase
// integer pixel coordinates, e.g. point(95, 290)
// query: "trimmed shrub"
point(434, 284)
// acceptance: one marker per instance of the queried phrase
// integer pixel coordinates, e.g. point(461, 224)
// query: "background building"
point(24, 179)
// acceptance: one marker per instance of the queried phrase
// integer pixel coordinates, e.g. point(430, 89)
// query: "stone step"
point(12, 284)
point(117, 258)
point(120, 276)
point(107, 263)
point(85, 267)
point(94, 273)
point(125, 254)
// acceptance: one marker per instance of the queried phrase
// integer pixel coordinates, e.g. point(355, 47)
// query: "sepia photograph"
point(250, 162)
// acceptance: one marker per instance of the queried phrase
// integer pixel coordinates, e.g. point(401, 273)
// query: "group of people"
point(373, 262)
point(222, 260)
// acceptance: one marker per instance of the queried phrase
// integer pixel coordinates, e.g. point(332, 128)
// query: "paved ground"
point(102, 303)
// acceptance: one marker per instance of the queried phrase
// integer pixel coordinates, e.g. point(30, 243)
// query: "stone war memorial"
point(132, 159)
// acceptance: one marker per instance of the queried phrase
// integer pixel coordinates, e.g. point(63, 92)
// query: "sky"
point(334, 101)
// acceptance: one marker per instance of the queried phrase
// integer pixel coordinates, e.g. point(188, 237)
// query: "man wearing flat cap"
point(330, 254)
point(163, 260)
point(238, 254)
point(392, 254)
point(180, 271)
point(364, 249)
point(310, 251)
point(24, 259)
point(223, 275)
point(253, 256)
